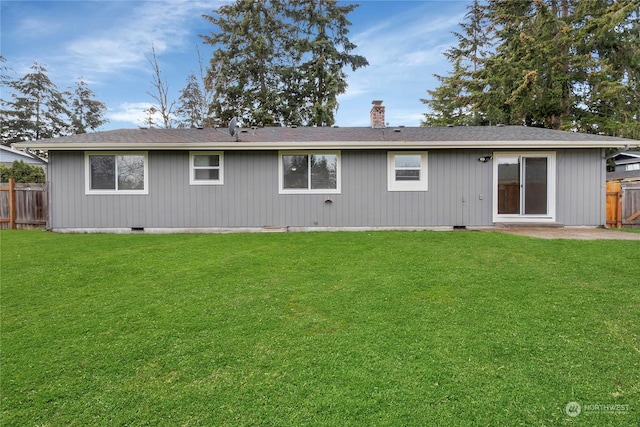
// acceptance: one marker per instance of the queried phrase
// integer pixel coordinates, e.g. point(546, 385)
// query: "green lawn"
point(318, 329)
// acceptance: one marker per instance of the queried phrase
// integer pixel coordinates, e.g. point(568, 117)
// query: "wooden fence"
point(623, 204)
point(23, 205)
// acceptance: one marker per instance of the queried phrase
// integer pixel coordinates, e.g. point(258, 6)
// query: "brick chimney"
point(377, 115)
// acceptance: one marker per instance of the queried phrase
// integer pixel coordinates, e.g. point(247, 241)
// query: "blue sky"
point(107, 43)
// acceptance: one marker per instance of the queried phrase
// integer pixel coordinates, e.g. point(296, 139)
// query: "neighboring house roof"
point(624, 171)
point(276, 138)
point(8, 155)
point(626, 157)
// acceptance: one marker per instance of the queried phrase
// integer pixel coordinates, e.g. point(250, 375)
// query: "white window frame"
point(193, 168)
point(116, 191)
point(551, 188)
point(420, 185)
point(310, 190)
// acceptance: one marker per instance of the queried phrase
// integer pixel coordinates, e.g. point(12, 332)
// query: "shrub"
point(22, 172)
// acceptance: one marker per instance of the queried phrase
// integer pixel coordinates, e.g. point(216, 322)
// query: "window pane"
point(324, 171)
point(207, 174)
point(509, 185)
point(408, 175)
point(130, 172)
point(206, 160)
point(535, 186)
point(103, 172)
point(407, 160)
point(295, 171)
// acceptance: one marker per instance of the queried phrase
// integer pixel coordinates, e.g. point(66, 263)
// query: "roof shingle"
point(329, 136)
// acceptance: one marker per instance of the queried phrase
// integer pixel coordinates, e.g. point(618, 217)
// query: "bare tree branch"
point(160, 91)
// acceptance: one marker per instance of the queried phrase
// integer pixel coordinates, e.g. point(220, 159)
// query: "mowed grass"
point(318, 329)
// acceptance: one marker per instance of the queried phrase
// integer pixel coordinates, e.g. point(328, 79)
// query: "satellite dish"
point(232, 126)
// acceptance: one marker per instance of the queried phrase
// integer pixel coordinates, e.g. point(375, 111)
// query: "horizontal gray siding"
point(460, 193)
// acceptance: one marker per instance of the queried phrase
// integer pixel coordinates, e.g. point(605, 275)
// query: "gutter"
point(316, 145)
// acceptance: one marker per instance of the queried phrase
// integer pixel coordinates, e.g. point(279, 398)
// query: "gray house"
point(627, 166)
point(325, 178)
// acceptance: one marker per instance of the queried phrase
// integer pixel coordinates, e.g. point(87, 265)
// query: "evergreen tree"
point(190, 112)
point(607, 98)
point(561, 64)
point(5, 83)
point(195, 99)
point(87, 112)
point(249, 46)
point(454, 101)
point(280, 62)
point(37, 109)
point(529, 70)
point(5, 79)
point(321, 52)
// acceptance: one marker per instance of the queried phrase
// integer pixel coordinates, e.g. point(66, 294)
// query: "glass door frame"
point(550, 215)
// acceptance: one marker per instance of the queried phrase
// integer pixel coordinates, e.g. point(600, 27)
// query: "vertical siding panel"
point(562, 191)
point(225, 200)
point(179, 174)
point(363, 173)
point(269, 166)
point(475, 183)
point(268, 180)
point(449, 194)
point(368, 170)
point(378, 185)
point(252, 196)
point(444, 187)
point(580, 187)
point(158, 188)
point(450, 214)
point(56, 177)
point(249, 196)
point(260, 202)
point(577, 197)
point(351, 179)
point(463, 181)
point(247, 182)
point(602, 184)
point(430, 198)
point(345, 202)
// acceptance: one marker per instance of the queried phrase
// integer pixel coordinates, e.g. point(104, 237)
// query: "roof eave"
point(315, 145)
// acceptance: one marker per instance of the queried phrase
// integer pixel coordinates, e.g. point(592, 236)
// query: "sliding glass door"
point(524, 185)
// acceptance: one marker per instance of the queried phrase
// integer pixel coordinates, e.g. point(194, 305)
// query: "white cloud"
point(424, 57)
point(37, 28)
point(124, 41)
point(404, 52)
point(131, 113)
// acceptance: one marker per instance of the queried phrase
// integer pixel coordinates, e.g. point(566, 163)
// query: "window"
point(407, 171)
point(116, 173)
point(205, 168)
point(309, 172)
point(633, 167)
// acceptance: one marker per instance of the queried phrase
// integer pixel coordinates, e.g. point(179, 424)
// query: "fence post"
point(12, 203)
point(619, 210)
